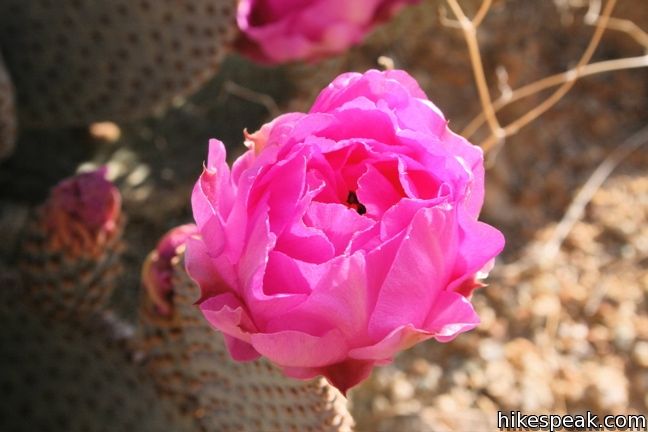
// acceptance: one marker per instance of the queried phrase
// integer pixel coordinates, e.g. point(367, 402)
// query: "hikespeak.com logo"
point(516, 421)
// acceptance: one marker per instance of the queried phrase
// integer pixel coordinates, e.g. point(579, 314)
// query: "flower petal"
point(338, 222)
point(225, 313)
point(420, 270)
point(451, 314)
point(214, 276)
point(297, 349)
point(240, 350)
point(213, 193)
point(399, 339)
point(338, 300)
point(379, 188)
point(480, 242)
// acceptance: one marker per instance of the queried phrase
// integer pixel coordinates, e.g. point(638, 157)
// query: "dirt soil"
point(564, 335)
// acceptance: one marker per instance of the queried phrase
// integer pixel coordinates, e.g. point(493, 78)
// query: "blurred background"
point(562, 332)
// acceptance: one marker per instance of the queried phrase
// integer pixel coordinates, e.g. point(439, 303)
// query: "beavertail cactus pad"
point(74, 62)
point(70, 254)
point(191, 366)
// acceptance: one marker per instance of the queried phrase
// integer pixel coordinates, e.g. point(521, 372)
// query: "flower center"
point(352, 201)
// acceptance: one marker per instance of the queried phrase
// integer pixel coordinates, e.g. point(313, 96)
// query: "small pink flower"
point(275, 31)
point(157, 271)
point(344, 235)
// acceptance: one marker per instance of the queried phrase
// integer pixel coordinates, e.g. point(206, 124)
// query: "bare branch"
point(470, 35)
point(481, 13)
point(237, 90)
point(534, 113)
point(442, 14)
point(552, 81)
point(629, 27)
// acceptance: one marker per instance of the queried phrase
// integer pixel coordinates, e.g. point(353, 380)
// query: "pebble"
point(640, 353)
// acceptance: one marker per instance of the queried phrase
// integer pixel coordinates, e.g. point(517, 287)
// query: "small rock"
point(640, 353)
point(490, 350)
point(402, 389)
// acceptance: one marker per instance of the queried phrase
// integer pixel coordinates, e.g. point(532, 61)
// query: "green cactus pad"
point(62, 377)
point(74, 62)
point(191, 365)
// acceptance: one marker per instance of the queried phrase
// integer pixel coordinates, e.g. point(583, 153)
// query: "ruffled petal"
point(338, 222)
point(213, 193)
point(395, 88)
point(297, 349)
point(398, 340)
point(480, 242)
point(472, 159)
point(360, 121)
point(419, 271)
point(226, 313)
point(379, 188)
point(451, 314)
point(213, 276)
point(240, 350)
point(338, 300)
point(305, 244)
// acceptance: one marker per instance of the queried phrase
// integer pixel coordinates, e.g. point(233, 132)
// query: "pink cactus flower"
point(344, 235)
point(276, 31)
point(157, 271)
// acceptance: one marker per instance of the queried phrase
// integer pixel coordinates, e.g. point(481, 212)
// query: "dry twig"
point(469, 29)
point(481, 13)
point(630, 28)
point(565, 81)
point(237, 90)
point(540, 109)
point(554, 80)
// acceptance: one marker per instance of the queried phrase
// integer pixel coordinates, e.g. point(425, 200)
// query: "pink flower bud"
point(157, 272)
point(83, 210)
